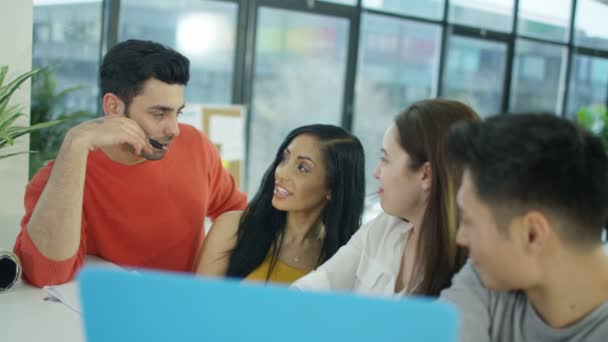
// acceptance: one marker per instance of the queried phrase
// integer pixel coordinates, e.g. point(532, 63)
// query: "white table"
point(26, 316)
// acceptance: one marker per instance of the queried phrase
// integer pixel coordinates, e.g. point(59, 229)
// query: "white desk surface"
point(26, 316)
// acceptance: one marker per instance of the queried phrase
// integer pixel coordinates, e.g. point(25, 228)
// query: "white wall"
point(16, 51)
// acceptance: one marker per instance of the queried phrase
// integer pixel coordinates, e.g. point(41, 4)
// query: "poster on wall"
point(225, 126)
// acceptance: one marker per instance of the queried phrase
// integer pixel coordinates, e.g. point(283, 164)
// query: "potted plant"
point(47, 105)
point(9, 263)
point(9, 114)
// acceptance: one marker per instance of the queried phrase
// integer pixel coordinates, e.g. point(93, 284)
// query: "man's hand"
point(110, 131)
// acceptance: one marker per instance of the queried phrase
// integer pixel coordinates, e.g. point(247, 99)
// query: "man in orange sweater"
point(111, 193)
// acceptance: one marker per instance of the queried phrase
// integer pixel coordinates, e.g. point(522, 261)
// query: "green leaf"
point(48, 104)
point(3, 71)
point(8, 136)
point(584, 117)
point(9, 116)
point(7, 91)
point(2, 156)
point(595, 119)
point(66, 91)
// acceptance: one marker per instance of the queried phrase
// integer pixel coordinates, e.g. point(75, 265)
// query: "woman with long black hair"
point(309, 204)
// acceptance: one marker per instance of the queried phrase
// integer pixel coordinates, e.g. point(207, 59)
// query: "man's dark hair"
point(538, 161)
point(129, 64)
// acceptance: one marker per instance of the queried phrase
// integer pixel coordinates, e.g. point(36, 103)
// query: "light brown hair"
point(423, 131)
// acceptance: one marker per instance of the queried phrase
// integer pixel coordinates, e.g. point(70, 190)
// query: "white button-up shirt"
point(368, 264)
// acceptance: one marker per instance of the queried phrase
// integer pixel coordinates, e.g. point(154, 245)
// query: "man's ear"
point(536, 232)
point(113, 105)
point(427, 176)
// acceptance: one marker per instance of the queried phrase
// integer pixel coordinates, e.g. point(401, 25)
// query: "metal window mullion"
point(248, 73)
point(403, 16)
point(321, 8)
point(569, 60)
point(240, 56)
point(110, 20)
point(110, 17)
point(445, 30)
point(508, 77)
point(350, 80)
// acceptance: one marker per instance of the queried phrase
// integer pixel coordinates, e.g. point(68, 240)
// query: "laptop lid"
point(150, 306)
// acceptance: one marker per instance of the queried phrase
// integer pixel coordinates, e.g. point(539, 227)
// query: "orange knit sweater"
point(146, 215)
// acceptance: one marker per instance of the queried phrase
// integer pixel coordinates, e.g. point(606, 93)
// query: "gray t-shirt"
point(508, 316)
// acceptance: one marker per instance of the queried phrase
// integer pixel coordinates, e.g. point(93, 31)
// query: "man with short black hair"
point(133, 186)
point(533, 202)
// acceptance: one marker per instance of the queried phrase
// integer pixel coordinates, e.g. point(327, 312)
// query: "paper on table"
point(68, 293)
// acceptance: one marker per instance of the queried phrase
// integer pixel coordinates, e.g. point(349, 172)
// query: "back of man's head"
point(539, 162)
point(127, 66)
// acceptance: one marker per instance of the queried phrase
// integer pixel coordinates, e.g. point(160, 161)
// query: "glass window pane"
point(538, 77)
point(432, 9)
point(342, 2)
point(475, 71)
point(588, 83)
point(68, 47)
point(398, 64)
point(546, 19)
point(300, 65)
point(204, 31)
point(489, 14)
point(591, 29)
point(69, 44)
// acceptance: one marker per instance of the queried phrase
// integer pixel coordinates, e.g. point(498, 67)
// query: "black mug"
point(10, 269)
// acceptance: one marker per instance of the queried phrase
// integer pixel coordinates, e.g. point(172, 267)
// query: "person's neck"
point(122, 154)
point(416, 220)
point(302, 226)
point(574, 285)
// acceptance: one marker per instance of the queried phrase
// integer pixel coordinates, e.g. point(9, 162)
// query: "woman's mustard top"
point(282, 273)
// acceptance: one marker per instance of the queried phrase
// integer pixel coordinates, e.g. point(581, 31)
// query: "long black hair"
point(261, 226)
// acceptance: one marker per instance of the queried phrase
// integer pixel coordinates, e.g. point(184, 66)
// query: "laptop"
point(153, 307)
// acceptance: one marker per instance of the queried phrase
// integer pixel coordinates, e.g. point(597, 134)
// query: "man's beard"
point(157, 154)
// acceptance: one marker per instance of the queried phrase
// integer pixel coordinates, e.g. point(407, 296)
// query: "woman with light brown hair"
point(410, 247)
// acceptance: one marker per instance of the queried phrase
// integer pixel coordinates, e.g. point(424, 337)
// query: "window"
point(475, 71)
point(588, 83)
point(591, 24)
point(342, 2)
point(204, 31)
point(432, 9)
point(545, 19)
point(398, 64)
point(300, 65)
point(294, 64)
point(488, 14)
point(538, 77)
point(69, 45)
